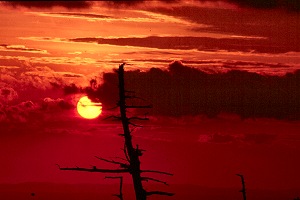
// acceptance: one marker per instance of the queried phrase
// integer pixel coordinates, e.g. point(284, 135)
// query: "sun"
point(88, 109)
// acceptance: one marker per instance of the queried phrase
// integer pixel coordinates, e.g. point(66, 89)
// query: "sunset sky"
point(223, 78)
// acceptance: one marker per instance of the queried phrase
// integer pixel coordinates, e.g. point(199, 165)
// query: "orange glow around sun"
point(88, 109)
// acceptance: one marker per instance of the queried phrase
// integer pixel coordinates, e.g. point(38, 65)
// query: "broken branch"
point(155, 180)
point(159, 193)
point(159, 172)
point(94, 169)
point(123, 165)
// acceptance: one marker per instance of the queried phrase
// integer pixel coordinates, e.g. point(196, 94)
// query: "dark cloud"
point(256, 3)
point(199, 43)
point(126, 3)
point(33, 112)
point(291, 5)
point(276, 29)
point(258, 138)
point(182, 90)
point(85, 15)
point(54, 104)
point(72, 89)
point(7, 94)
point(49, 4)
point(72, 75)
point(21, 48)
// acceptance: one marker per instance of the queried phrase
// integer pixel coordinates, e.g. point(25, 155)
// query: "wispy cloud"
point(49, 4)
point(21, 48)
point(128, 16)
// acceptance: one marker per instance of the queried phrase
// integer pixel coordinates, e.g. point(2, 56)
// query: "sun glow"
point(88, 109)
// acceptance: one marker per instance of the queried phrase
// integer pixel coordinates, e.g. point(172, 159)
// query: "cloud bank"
point(198, 43)
point(183, 90)
point(290, 5)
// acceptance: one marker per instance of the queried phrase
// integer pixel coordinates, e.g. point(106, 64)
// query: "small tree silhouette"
point(243, 190)
point(131, 162)
point(120, 195)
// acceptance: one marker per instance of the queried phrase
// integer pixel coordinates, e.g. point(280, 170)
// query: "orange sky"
point(45, 49)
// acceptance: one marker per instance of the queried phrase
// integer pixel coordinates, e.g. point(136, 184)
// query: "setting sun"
point(88, 109)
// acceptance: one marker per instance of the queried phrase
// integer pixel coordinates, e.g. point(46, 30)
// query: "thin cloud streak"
point(49, 4)
point(21, 48)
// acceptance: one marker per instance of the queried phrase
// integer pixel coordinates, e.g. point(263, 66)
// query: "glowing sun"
point(88, 109)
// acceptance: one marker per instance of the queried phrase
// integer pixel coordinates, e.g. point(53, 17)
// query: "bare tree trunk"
point(133, 153)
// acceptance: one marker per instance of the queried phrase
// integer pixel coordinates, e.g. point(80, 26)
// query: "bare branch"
point(123, 165)
point(121, 158)
point(125, 153)
point(132, 129)
point(153, 179)
point(138, 118)
point(94, 169)
point(159, 193)
point(158, 172)
point(135, 125)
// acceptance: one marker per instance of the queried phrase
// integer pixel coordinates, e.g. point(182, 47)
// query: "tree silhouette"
point(131, 163)
point(120, 195)
point(243, 190)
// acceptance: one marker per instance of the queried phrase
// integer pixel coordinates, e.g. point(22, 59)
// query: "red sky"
point(223, 79)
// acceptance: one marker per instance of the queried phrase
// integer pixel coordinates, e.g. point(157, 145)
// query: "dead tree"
point(131, 163)
point(243, 190)
point(120, 195)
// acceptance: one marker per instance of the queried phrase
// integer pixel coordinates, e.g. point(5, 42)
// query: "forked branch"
point(123, 165)
point(153, 179)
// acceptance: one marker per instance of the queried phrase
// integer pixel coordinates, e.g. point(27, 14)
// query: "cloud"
point(259, 138)
point(53, 104)
point(49, 4)
point(237, 138)
point(33, 112)
point(7, 94)
point(21, 48)
point(234, 44)
point(19, 113)
point(182, 90)
point(291, 5)
point(33, 77)
point(271, 33)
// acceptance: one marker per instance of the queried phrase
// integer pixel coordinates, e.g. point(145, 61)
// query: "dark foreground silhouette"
point(50, 191)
